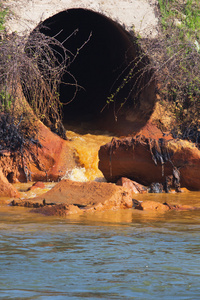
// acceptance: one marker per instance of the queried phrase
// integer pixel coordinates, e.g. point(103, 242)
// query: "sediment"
point(78, 197)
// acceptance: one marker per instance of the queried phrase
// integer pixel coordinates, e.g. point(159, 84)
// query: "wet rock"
point(133, 186)
point(26, 203)
point(161, 207)
point(6, 188)
point(12, 177)
point(54, 157)
point(136, 203)
point(38, 184)
point(60, 210)
point(86, 196)
point(156, 188)
point(135, 158)
point(46, 161)
point(168, 183)
point(181, 207)
point(176, 180)
point(146, 160)
point(152, 206)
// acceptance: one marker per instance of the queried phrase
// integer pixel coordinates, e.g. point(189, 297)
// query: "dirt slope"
point(137, 14)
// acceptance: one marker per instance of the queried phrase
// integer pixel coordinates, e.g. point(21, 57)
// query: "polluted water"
point(123, 254)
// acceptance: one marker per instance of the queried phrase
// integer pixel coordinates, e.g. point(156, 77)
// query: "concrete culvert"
point(100, 68)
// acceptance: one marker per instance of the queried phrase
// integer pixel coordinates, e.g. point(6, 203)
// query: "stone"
point(86, 196)
point(156, 188)
point(151, 130)
point(152, 206)
point(60, 210)
point(54, 157)
point(133, 158)
point(133, 186)
point(147, 160)
point(162, 207)
point(6, 188)
point(36, 185)
point(47, 162)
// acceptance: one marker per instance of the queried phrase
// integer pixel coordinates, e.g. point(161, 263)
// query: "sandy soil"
point(137, 14)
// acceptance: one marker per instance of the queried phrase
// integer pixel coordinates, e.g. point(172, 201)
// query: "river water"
point(125, 254)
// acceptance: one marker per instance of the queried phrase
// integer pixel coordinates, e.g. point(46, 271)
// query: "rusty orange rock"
point(38, 184)
point(133, 186)
point(87, 196)
point(150, 130)
point(134, 158)
point(47, 162)
point(131, 158)
point(60, 210)
point(152, 206)
point(161, 207)
point(6, 188)
point(54, 158)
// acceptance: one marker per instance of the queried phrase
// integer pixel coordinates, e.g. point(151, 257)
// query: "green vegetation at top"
point(3, 13)
point(177, 58)
point(183, 15)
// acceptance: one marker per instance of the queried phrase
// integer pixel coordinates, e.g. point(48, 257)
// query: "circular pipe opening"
point(101, 69)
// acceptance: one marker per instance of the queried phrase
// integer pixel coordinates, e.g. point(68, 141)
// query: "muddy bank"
point(68, 197)
point(146, 161)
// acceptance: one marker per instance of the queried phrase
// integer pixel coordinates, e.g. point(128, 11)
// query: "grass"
point(183, 15)
point(3, 13)
point(178, 51)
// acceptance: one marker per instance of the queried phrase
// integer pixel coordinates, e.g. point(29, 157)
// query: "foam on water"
point(80, 174)
point(76, 174)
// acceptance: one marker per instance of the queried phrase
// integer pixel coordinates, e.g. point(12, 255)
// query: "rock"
point(151, 130)
point(156, 188)
point(47, 162)
point(36, 185)
point(26, 203)
point(6, 188)
point(133, 186)
point(54, 157)
point(132, 158)
point(181, 207)
point(168, 184)
point(60, 210)
point(184, 190)
point(87, 196)
point(146, 160)
point(186, 156)
point(162, 207)
point(152, 205)
point(12, 178)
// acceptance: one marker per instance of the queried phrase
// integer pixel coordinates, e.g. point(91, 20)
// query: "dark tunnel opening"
point(100, 68)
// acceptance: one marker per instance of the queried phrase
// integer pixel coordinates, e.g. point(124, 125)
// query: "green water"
point(125, 254)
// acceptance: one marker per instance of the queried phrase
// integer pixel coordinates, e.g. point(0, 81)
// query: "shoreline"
point(152, 203)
